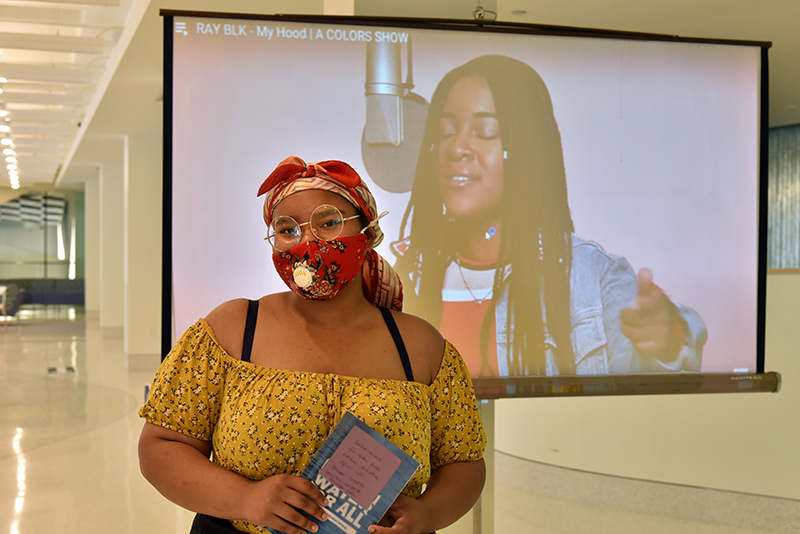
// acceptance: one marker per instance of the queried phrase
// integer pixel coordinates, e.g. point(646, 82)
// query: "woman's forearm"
point(451, 492)
point(179, 467)
point(185, 475)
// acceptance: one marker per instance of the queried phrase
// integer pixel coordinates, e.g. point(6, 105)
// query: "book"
point(361, 473)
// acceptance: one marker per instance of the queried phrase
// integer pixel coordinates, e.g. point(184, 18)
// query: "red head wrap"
point(382, 285)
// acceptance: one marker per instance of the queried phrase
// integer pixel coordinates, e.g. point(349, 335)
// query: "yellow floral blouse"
point(263, 421)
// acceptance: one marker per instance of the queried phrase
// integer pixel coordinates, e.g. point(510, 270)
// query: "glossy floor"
point(68, 464)
point(69, 429)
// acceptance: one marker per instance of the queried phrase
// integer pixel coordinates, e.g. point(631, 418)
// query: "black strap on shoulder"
point(249, 329)
point(398, 342)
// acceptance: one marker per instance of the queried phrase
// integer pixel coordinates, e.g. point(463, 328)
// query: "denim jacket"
point(601, 285)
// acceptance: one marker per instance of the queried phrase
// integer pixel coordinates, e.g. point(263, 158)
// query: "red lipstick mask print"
point(319, 270)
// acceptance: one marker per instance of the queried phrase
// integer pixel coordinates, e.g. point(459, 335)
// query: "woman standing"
point(249, 393)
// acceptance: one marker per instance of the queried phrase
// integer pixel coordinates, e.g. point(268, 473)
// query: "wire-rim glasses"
point(326, 223)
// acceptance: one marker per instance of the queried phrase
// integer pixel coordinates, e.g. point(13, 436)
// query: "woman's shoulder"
point(227, 322)
point(424, 343)
point(221, 317)
point(228, 319)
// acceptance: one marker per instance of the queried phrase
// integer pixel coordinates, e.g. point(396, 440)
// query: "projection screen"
point(659, 141)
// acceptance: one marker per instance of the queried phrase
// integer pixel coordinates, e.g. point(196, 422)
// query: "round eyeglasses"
point(326, 223)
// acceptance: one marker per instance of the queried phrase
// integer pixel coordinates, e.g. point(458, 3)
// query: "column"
point(92, 208)
point(111, 249)
point(143, 213)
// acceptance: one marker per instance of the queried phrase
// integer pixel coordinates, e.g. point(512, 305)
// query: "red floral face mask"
point(319, 270)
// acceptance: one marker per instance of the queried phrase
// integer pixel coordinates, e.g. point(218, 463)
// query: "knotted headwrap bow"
point(381, 285)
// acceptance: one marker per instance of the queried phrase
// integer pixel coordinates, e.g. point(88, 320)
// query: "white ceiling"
point(83, 73)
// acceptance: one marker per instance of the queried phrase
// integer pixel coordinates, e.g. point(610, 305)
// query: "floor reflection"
point(69, 428)
point(46, 386)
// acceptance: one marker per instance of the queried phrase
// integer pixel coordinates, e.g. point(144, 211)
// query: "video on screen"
point(557, 205)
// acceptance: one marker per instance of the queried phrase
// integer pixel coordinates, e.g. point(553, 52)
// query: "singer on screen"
point(488, 252)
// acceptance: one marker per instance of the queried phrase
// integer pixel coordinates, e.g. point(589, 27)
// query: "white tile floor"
point(68, 438)
point(68, 464)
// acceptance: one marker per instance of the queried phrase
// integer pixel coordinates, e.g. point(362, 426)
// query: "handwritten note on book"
point(360, 467)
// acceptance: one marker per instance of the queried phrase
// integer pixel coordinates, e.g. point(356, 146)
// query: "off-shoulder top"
point(264, 421)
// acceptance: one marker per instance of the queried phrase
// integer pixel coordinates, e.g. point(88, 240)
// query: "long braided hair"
point(536, 239)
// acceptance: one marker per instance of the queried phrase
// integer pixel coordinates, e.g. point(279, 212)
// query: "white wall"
point(143, 194)
point(91, 231)
point(111, 247)
point(744, 442)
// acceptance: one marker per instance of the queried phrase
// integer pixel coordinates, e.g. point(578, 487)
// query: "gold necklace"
point(477, 300)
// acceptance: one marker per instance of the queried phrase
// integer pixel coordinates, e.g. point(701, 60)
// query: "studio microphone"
point(384, 91)
point(395, 118)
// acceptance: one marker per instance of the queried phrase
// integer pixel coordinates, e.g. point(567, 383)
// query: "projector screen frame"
point(529, 386)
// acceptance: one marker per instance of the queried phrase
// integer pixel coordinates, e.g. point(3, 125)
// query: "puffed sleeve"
point(457, 433)
point(187, 389)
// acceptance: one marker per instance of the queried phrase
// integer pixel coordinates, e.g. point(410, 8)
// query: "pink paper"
point(360, 467)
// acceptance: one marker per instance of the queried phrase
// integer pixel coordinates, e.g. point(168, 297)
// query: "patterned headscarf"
point(382, 285)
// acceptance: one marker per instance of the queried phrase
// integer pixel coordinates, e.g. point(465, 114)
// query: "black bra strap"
point(398, 342)
point(249, 329)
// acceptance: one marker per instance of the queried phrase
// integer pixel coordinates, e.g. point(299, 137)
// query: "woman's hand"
point(276, 502)
point(652, 322)
point(404, 516)
point(450, 493)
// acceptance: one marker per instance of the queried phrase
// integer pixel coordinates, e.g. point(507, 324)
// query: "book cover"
point(361, 472)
